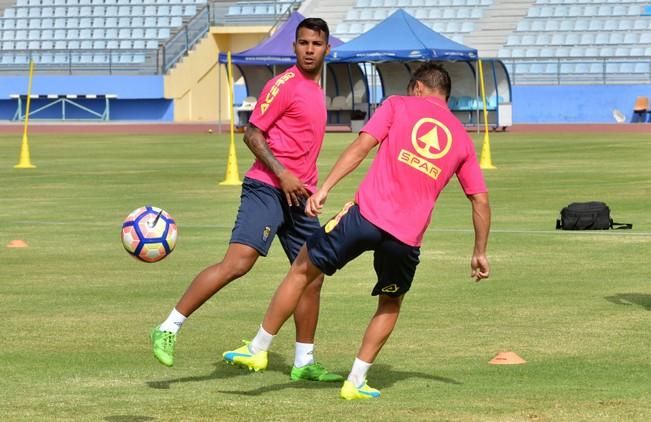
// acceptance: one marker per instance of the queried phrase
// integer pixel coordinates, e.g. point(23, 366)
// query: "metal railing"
point(579, 70)
point(180, 43)
point(103, 61)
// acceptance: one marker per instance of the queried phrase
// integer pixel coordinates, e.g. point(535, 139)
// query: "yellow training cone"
point(485, 161)
point(232, 172)
point(25, 161)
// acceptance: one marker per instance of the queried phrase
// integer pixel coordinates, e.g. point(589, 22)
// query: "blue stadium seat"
point(124, 33)
point(98, 11)
point(631, 38)
point(621, 51)
point(637, 51)
point(616, 38)
point(587, 38)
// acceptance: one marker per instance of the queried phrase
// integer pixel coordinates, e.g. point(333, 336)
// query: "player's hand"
point(292, 187)
point(315, 203)
point(480, 268)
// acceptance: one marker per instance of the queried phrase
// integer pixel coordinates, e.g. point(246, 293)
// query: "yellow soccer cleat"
point(350, 392)
point(243, 357)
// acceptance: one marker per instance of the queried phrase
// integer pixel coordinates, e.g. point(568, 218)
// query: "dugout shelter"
point(395, 46)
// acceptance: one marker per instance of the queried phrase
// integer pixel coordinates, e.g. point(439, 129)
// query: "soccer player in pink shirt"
point(285, 134)
point(421, 146)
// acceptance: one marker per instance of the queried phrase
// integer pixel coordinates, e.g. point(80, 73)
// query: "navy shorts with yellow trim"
point(264, 213)
point(348, 235)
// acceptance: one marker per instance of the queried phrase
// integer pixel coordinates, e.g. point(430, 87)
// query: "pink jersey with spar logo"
point(292, 114)
point(422, 144)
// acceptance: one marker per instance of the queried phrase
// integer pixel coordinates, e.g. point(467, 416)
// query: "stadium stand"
point(258, 11)
point(453, 19)
point(582, 41)
point(541, 41)
point(95, 33)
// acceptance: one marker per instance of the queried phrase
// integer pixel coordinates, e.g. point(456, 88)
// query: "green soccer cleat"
point(314, 372)
point(243, 357)
point(350, 392)
point(163, 343)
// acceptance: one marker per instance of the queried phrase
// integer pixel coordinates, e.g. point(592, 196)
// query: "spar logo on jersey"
point(275, 89)
point(431, 140)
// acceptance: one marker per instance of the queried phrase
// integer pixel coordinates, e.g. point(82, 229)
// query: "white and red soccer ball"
point(149, 234)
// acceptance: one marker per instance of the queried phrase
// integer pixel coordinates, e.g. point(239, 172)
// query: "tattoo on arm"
point(255, 141)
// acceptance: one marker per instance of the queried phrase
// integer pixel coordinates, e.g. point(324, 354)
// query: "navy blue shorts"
point(264, 213)
point(349, 234)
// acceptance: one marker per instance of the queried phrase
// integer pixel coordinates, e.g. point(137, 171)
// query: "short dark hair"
point(434, 76)
point(316, 25)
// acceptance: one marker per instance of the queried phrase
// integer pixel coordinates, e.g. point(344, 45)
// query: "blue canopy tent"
point(396, 45)
point(275, 54)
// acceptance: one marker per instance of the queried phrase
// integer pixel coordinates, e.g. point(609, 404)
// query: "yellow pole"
point(485, 161)
point(232, 173)
point(25, 162)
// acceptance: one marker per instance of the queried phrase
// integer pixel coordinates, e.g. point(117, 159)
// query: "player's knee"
point(236, 268)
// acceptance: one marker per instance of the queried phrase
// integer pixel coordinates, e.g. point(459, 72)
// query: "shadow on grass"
point(224, 371)
point(643, 300)
point(381, 376)
point(128, 418)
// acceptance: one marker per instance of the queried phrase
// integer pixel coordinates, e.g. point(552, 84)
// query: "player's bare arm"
point(481, 220)
point(348, 161)
point(289, 183)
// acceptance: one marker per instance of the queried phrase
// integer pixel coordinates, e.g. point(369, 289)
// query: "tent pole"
point(477, 93)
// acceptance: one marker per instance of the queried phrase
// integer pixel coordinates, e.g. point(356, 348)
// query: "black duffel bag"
point(588, 216)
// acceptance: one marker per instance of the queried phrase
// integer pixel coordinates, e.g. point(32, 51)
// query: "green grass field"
point(76, 309)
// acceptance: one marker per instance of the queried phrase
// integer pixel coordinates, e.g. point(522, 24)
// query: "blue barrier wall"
point(574, 103)
point(138, 97)
point(141, 98)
